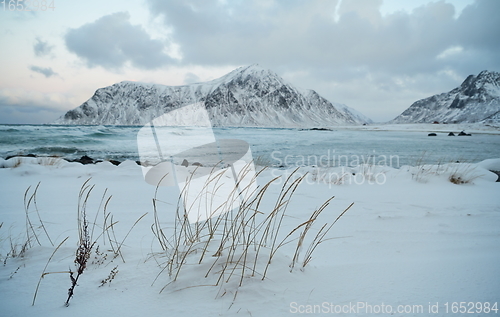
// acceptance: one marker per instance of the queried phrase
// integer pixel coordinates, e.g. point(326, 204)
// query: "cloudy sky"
point(377, 56)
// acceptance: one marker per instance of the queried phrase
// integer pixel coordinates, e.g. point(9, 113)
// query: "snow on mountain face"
point(247, 96)
point(476, 100)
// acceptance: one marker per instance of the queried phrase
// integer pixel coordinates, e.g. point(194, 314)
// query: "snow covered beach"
point(409, 242)
point(158, 159)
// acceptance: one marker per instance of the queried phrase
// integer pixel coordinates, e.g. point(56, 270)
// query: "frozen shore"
point(415, 237)
point(428, 127)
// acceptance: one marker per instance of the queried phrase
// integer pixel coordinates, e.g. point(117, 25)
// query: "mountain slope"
point(247, 96)
point(476, 99)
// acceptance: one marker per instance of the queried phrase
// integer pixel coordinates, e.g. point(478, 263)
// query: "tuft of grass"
point(262, 162)
point(463, 174)
point(457, 180)
point(32, 227)
point(17, 161)
point(239, 243)
point(49, 160)
point(88, 236)
point(456, 173)
point(85, 241)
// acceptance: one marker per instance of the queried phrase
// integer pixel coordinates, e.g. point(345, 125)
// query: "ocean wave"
point(100, 134)
point(8, 130)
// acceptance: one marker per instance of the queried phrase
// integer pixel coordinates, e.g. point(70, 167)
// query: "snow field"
point(415, 239)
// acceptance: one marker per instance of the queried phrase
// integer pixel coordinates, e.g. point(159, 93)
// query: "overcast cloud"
point(305, 34)
point(46, 71)
point(377, 57)
point(28, 106)
point(42, 48)
point(112, 40)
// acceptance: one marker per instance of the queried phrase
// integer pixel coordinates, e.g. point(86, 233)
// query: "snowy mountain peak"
point(244, 76)
point(477, 99)
point(247, 96)
point(485, 83)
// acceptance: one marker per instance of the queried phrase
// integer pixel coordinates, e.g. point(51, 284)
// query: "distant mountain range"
point(477, 99)
point(248, 96)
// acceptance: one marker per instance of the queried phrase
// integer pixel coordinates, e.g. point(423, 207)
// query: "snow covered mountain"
point(247, 96)
point(476, 100)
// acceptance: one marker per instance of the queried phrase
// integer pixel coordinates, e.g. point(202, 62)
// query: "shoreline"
point(319, 172)
point(478, 128)
point(399, 127)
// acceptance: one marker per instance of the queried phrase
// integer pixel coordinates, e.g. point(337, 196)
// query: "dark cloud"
point(341, 48)
point(306, 34)
point(42, 48)
point(46, 71)
point(479, 26)
point(32, 115)
point(26, 111)
point(111, 41)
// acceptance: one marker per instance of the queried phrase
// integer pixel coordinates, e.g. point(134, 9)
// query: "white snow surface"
point(413, 239)
point(490, 164)
point(429, 127)
point(248, 96)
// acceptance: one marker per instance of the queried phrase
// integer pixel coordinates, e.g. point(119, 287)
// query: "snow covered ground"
point(413, 244)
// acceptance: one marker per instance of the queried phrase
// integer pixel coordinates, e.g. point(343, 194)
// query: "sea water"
point(273, 147)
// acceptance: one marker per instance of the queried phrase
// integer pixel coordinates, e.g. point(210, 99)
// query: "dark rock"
point(114, 162)
point(20, 155)
point(451, 134)
point(84, 160)
point(320, 129)
point(185, 163)
point(462, 133)
point(197, 164)
point(498, 174)
point(432, 134)
point(457, 103)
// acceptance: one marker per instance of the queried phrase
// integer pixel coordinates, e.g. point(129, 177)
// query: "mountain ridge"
point(246, 96)
point(477, 99)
